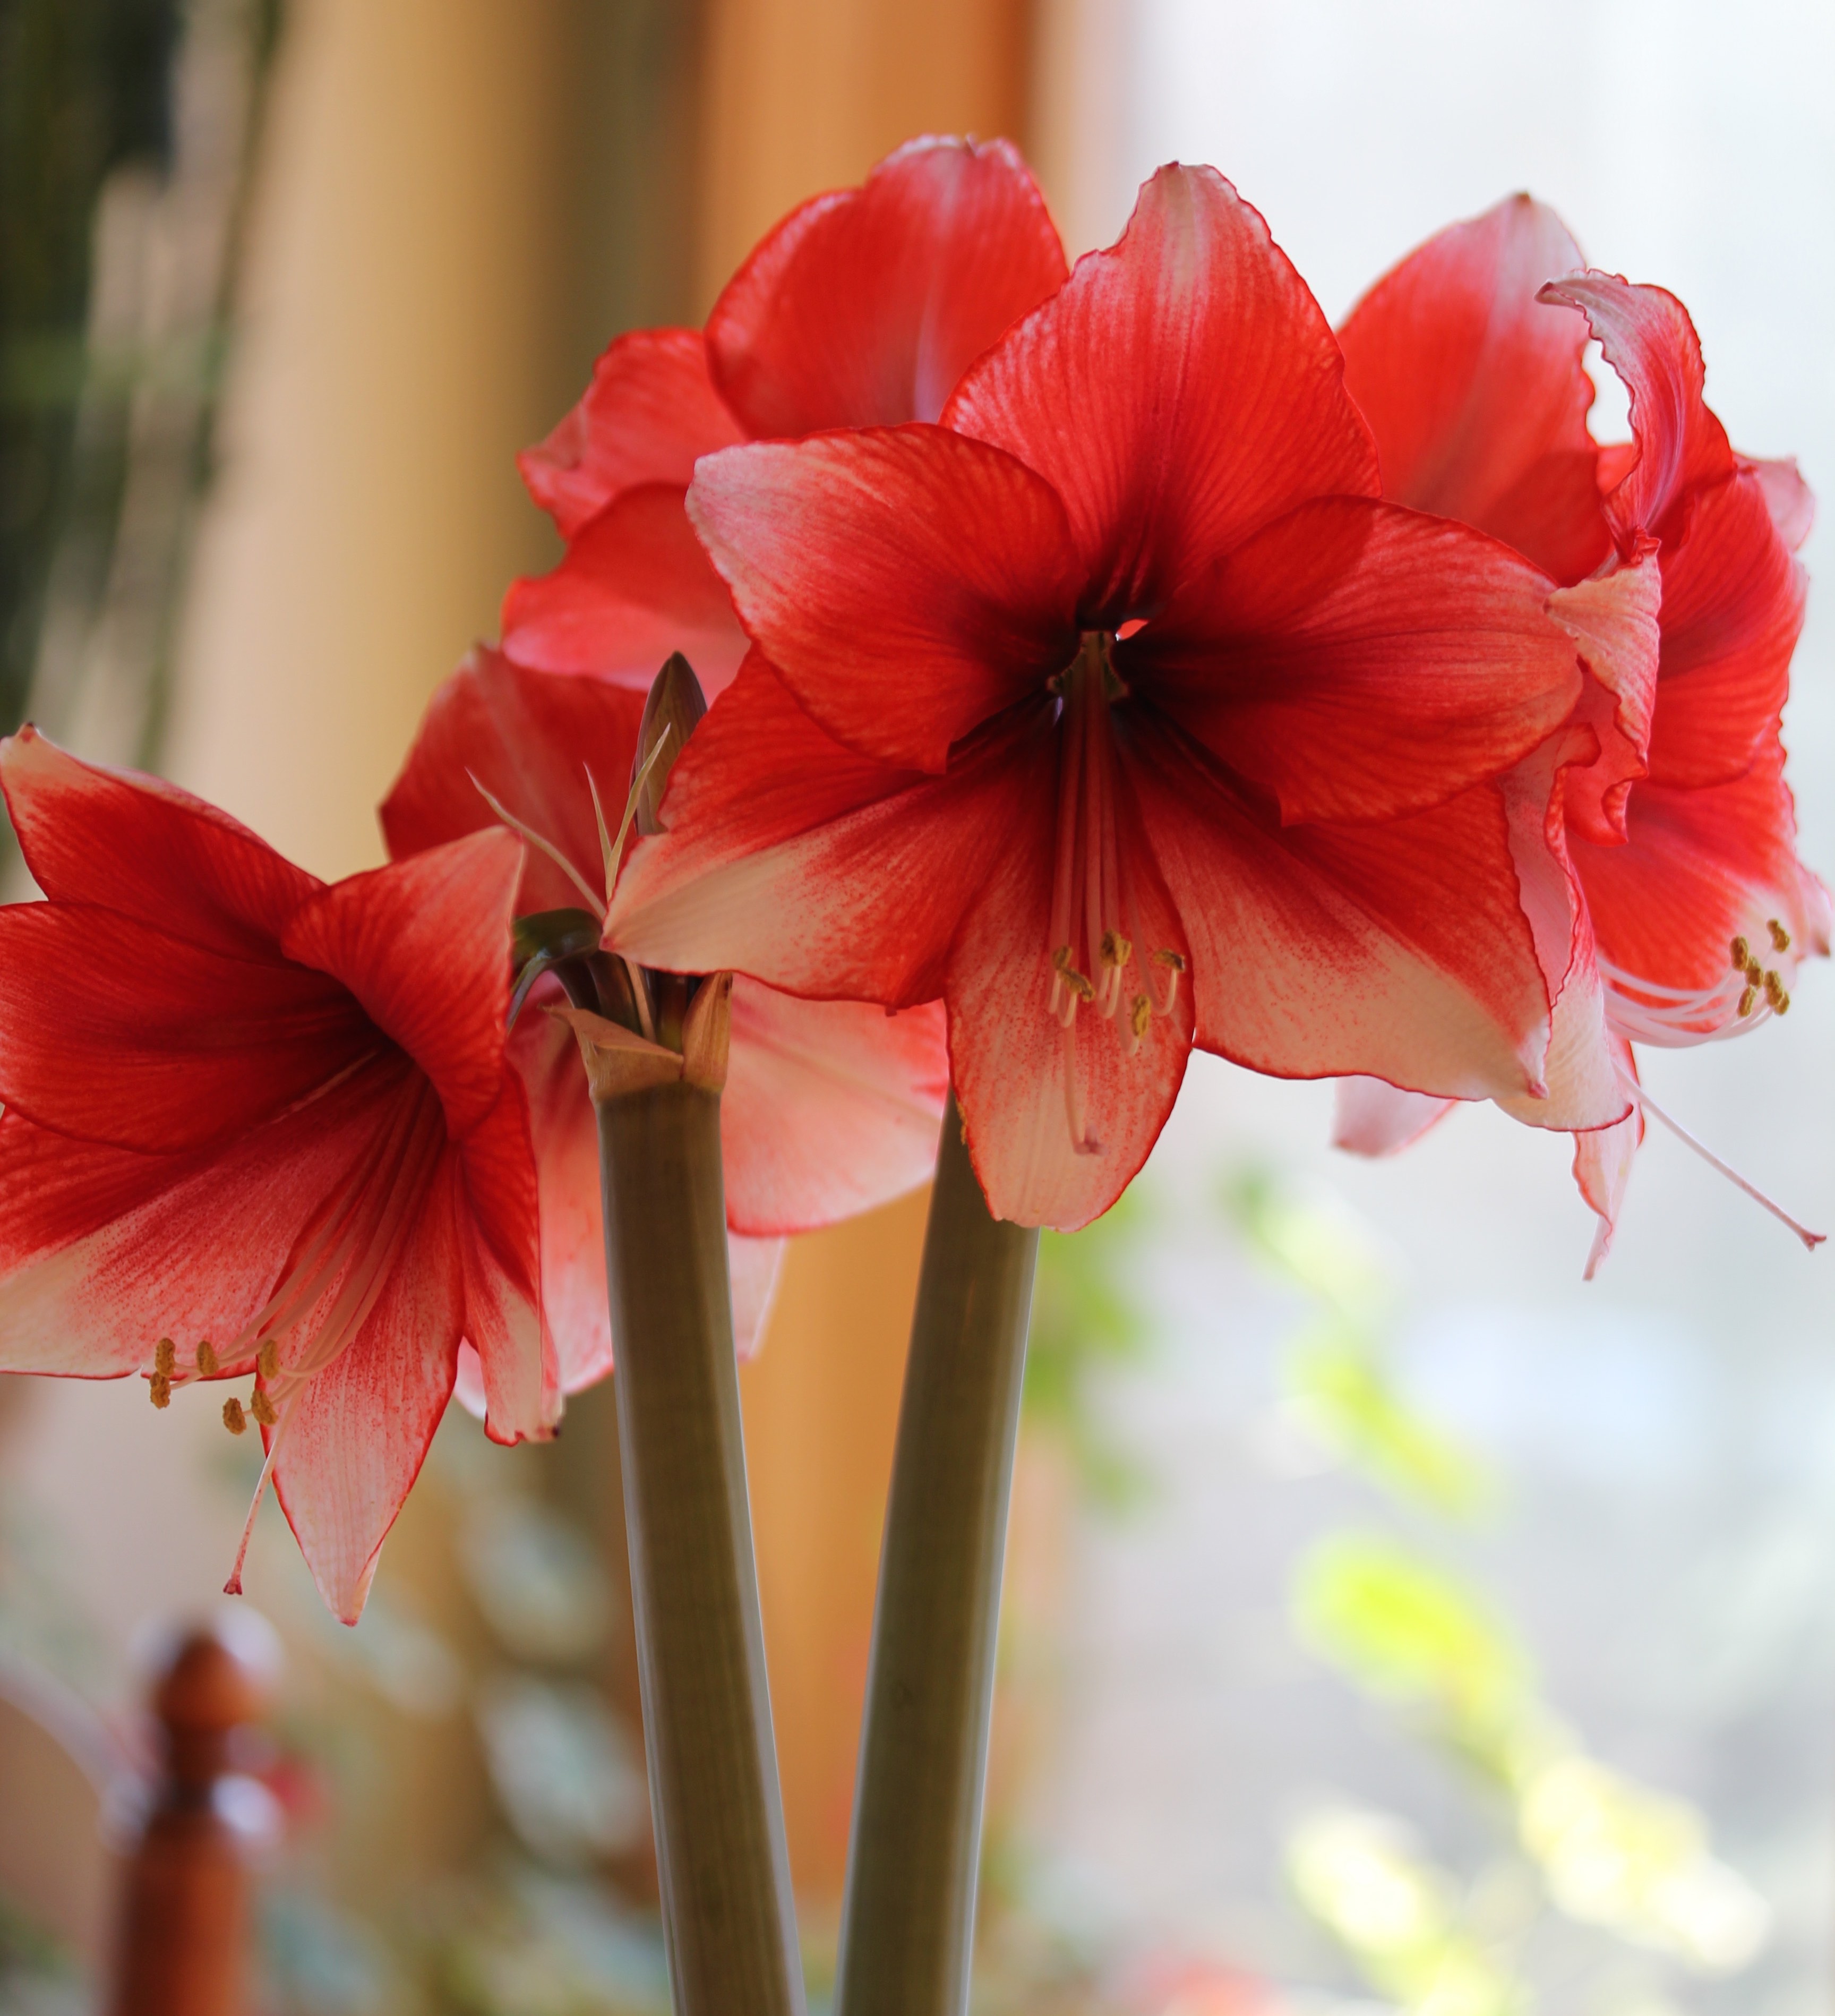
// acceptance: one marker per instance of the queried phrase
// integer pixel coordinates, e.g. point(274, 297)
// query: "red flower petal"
point(634, 587)
point(1732, 611)
point(532, 739)
point(856, 559)
point(791, 858)
point(140, 845)
point(1180, 390)
point(1700, 867)
point(649, 411)
point(1580, 1086)
point(1022, 1079)
point(112, 1031)
point(1793, 503)
point(1357, 660)
point(864, 307)
point(498, 1223)
point(1614, 620)
point(101, 1253)
point(1369, 1118)
point(355, 1435)
point(753, 1266)
point(1649, 341)
point(865, 1091)
point(1476, 391)
point(566, 1135)
point(1602, 1160)
point(424, 946)
point(1395, 951)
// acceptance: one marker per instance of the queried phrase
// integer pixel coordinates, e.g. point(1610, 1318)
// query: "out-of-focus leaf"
point(1339, 1388)
point(565, 1770)
point(1614, 1854)
point(540, 1585)
point(1397, 1916)
point(1401, 1627)
point(1315, 1244)
point(1085, 1321)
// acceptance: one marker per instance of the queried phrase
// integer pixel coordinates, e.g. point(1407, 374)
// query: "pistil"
point(1097, 958)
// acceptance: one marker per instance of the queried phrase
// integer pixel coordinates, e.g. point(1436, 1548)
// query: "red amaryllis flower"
point(255, 1125)
point(862, 309)
point(1664, 800)
point(830, 1108)
point(1122, 674)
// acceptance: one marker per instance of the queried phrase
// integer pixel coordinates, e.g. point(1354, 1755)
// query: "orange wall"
point(802, 96)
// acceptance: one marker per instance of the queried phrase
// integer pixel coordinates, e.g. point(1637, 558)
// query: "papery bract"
point(1122, 675)
point(272, 1122)
point(861, 308)
point(830, 1108)
point(1663, 799)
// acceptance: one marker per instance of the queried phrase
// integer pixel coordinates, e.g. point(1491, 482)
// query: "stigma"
point(1099, 963)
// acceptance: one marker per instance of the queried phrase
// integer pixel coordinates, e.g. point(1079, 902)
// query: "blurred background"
point(1394, 1622)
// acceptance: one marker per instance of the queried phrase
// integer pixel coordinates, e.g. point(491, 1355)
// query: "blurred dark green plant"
point(127, 128)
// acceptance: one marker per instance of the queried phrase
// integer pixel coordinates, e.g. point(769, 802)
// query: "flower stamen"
point(1095, 940)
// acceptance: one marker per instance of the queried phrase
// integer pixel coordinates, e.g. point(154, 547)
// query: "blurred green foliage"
point(1577, 1839)
point(1088, 1321)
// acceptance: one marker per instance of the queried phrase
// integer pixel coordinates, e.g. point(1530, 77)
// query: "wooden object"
point(184, 1932)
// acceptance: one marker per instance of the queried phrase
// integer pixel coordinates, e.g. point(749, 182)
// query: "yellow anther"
point(1782, 1005)
point(1755, 972)
point(158, 1389)
point(1748, 1000)
point(234, 1418)
point(267, 1360)
point(1175, 960)
point(1774, 987)
point(207, 1359)
point(1140, 1015)
point(1780, 938)
point(1742, 951)
point(165, 1355)
point(1117, 950)
point(1078, 984)
point(262, 1408)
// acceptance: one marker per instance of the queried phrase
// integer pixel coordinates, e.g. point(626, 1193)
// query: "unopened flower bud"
point(672, 713)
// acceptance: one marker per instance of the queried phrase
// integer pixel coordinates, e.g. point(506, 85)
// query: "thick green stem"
point(728, 1914)
point(908, 1924)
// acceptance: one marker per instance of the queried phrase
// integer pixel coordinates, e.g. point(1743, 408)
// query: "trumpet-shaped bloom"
point(1664, 798)
point(830, 1107)
point(862, 309)
point(258, 1127)
point(1120, 711)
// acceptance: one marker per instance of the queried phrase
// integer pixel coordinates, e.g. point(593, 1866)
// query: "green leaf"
point(1400, 1626)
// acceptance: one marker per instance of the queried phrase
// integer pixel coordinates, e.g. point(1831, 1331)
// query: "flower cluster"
point(1102, 662)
